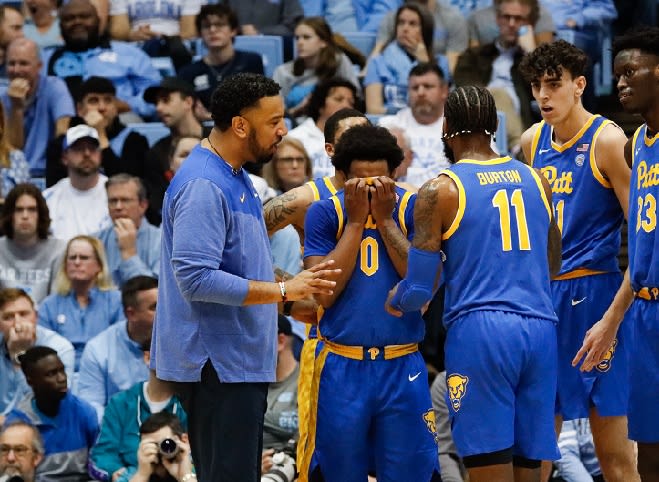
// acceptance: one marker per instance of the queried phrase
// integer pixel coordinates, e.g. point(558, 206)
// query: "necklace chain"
point(234, 171)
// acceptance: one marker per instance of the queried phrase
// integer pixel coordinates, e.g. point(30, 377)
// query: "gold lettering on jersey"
point(647, 177)
point(498, 177)
point(559, 184)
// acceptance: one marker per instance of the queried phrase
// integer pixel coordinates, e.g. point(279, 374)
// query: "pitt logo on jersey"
point(559, 185)
point(429, 419)
point(457, 388)
point(605, 364)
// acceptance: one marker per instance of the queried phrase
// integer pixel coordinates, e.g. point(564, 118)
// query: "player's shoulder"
point(528, 134)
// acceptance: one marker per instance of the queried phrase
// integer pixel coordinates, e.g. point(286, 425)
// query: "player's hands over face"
point(596, 343)
point(356, 200)
point(18, 90)
point(383, 198)
point(317, 280)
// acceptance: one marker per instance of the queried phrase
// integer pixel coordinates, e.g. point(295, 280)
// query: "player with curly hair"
point(581, 155)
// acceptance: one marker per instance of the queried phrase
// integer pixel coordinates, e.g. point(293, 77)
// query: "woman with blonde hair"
point(290, 167)
point(14, 169)
point(85, 301)
point(318, 58)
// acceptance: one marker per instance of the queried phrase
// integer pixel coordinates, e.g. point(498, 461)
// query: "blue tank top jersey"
point(643, 196)
point(357, 317)
point(322, 188)
point(496, 247)
point(586, 208)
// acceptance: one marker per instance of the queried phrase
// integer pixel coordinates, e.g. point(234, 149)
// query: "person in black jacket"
point(123, 150)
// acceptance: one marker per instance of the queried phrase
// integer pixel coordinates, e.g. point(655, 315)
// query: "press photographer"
point(280, 426)
point(164, 452)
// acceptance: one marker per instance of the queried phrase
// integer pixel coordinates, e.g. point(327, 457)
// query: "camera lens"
point(168, 448)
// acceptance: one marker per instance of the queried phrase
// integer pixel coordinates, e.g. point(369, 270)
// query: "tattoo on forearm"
point(395, 241)
point(278, 211)
point(427, 229)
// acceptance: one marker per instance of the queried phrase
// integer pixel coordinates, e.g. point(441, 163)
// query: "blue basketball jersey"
point(643, 196)
point(322, 188)
point(496, 248)
point(585, 206)
point(357, 317)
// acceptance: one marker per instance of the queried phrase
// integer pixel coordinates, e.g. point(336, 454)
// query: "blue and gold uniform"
point(370, 383)
point(644, 274)
point(501, 335)
point(322, 188)
point(589, 216)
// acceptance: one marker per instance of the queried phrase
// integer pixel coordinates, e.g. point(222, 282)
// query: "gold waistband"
point(649, 294)
point(371, 353)
point(577, 273)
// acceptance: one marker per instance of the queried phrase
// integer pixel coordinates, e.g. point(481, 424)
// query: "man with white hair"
point(21, 451)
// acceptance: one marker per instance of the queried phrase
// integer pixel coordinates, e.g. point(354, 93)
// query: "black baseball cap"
point(169, 84)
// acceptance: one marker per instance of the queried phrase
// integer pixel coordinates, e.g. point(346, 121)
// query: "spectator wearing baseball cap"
point(175, 102)
point(78, 203)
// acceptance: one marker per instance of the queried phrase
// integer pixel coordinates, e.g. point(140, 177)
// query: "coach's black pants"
point(225, 425)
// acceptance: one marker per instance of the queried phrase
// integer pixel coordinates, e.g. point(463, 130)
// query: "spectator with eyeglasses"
point(132, 244)
point(85, 301)
point(21, 451)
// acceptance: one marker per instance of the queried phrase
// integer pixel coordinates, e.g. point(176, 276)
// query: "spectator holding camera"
point(164, 452)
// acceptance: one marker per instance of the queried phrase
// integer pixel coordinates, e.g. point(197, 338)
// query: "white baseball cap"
point(81, 131)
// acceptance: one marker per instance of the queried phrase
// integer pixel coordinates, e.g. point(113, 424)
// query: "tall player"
point(484, 217)
point(581, 155)
point(370, 384)
point(636, 67)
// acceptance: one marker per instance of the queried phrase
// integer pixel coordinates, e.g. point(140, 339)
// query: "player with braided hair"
point(483, 218)
point(581, 155)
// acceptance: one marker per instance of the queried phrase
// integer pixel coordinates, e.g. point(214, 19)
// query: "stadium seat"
point(501, 135)
point(363, 41)
point(164, 65)
point(271, 48)
point(153, 131)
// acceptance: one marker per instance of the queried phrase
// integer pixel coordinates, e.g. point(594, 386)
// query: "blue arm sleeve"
point(415, 290)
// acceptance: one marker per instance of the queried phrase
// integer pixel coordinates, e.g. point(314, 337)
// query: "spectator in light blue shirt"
point(114, 359)
point(18, 332)
point(38, 106)
point(85, 302)
point(85, 53)
point(132, 244)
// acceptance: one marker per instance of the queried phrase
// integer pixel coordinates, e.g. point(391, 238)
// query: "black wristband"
point(287, 308)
